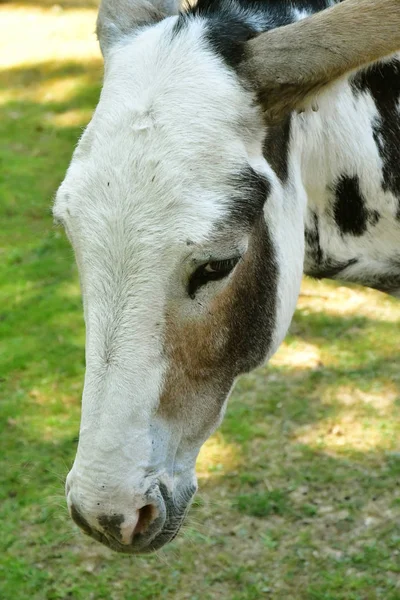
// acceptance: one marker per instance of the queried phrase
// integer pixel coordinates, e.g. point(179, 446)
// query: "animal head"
point(189, 248)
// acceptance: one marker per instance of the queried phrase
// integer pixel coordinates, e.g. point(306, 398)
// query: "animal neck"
point(344, 152)
point(348, 154)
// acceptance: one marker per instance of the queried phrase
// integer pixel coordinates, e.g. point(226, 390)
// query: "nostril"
point(147, 514)
point(125, 528)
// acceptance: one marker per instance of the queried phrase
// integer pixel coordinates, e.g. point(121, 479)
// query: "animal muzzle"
point(145, 524)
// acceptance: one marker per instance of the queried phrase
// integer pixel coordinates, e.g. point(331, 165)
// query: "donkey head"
point(189, 250)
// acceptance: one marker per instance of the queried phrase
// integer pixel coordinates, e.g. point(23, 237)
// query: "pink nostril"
point(130, 528)
point(147, 514)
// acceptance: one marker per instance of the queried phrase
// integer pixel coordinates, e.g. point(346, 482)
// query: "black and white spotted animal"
point(230, 150)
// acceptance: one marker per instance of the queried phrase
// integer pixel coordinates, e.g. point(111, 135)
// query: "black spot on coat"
point(349, 210)
point(382, 81)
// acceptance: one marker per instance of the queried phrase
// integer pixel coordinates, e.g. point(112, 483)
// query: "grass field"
point(299, 490)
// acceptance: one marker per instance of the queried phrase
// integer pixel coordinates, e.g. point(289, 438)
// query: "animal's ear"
point(119, 18)
point(290, 64)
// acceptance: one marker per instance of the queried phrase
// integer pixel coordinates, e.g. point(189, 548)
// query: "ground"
point(299, 490)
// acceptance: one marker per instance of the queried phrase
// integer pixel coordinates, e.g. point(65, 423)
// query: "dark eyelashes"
point(211, 271)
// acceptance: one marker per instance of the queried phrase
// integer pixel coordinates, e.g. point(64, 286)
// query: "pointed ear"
point(119, 18)
point(290, 64)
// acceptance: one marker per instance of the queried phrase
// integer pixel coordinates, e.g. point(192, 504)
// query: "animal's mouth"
point(160, 532)
point(139, 546)
point(164, 537)
point(142, 543)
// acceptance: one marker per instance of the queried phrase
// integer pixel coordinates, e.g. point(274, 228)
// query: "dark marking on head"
point(226, 32)
point(111, 525)
point(382, 81)
point(349, 210)
point(233, 336)
point(276, 148)
point(251, 192)
point(229, 42)
point(251, 314)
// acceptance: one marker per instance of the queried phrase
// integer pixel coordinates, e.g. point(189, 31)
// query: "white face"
point(190, 259)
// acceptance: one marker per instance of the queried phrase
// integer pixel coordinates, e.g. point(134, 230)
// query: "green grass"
point(299, 490)
point(262, 504)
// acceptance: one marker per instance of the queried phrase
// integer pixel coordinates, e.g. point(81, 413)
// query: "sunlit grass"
point(299, 490)
point(349, 301)
point(70, 118)
point(299, 355)
point(218, 457)
point(53, 34)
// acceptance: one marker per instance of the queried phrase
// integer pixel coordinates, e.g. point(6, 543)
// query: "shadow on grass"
point(35, 150)
point(277, 390)
point(32, 76)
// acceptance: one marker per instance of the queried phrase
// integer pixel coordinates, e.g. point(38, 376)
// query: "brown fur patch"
point(206, 353)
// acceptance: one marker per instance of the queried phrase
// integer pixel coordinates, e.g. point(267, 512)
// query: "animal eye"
point(211, 271)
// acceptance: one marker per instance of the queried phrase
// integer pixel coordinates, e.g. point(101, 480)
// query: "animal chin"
point(143, 545)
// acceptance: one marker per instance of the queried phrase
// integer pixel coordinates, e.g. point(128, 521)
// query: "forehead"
point(172, 133)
